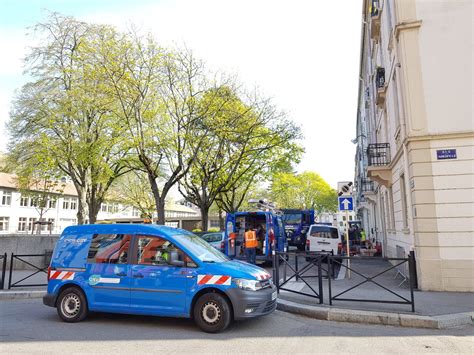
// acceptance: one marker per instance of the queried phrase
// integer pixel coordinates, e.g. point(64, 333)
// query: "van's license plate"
point(274, 295)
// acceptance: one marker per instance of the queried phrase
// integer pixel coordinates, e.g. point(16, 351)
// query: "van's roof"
point(322, 226)
point(124, 228)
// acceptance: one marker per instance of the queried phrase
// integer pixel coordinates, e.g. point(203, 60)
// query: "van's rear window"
point(331, 233)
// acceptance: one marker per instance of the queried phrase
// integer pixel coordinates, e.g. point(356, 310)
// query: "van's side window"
point(109, 249)
point(157, 251)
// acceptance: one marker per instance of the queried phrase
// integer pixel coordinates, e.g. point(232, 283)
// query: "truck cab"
point(296, 224)
point(272, 232)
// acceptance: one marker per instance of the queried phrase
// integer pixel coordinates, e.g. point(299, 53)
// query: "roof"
point(127, 228)
point(9, 181)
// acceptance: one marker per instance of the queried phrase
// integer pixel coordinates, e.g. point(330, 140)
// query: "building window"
point(392, 208)
point(31, 223)
point(73, 203)
point(66, 202)
point(22, 224)
point(6, 198)
point(33, 202)
point(404, 201)
point(135, 212)
point(52, 203)
point(103, 207)
point(24, 201)
point(4, 223)
point(350, 218)
point(115, 207)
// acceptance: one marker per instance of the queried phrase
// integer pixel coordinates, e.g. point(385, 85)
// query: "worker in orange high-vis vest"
point(251, 246)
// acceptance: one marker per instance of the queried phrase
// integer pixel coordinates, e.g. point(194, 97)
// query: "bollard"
point(4, 269)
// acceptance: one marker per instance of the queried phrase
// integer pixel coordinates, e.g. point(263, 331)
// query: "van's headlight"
point(244, 284)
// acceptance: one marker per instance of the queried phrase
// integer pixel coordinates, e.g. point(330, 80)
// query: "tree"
point(244, 141)
point(42, 187)
point(64, 114)
point(307, 190)
point(133, 189)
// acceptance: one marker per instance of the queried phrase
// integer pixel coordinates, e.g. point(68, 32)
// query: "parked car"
point(324, 238)
point(216, 239)
point(153, 270)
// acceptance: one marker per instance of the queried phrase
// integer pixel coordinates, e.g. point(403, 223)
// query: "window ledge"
point(406, 230)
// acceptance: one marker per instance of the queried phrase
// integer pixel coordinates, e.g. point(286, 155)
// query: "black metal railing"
point(38, 269)
point(380, 78)
point(300, 263)
point(378, 154)
point(400, 299)
point(3, 259)
point(366, 185)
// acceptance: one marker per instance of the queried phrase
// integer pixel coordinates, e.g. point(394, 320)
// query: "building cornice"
point(406, 25)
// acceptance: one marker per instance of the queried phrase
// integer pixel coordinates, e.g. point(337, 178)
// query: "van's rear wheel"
point(72, 305)
point(212, 313)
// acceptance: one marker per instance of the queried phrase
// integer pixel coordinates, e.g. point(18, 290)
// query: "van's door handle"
point(121, 274)
point(190, 276)
point(138, 276)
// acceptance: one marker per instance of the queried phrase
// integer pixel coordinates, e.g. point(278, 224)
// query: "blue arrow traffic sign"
point(345, 203)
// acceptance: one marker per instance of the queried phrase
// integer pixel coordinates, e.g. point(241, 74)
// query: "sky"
point(302, 54)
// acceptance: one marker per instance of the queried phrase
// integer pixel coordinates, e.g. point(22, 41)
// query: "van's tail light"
point(222, 245)
point(339, 248)
point(308, 244)
point(271, 235)
point(49, 271)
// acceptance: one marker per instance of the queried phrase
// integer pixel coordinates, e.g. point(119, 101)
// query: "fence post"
point(296, 266)
point(4, 267)
point(274, 262)
point(11, 272)
point(320, 281)
point(329, 279)
point(412, 276)
point(412, 269)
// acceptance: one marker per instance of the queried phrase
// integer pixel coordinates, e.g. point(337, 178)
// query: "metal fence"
point(303, 263)
point(300, 263)
point(38, 267)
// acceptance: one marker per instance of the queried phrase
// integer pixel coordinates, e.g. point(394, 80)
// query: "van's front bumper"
point(49, 300)
point(249, 304)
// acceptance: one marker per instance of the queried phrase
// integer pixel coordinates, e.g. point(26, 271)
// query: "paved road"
point(26, 326)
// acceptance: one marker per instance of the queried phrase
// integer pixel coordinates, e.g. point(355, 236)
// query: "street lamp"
point(356, 139)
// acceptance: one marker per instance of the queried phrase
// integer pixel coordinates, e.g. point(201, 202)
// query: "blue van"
point(272, 228)
point(153, 270)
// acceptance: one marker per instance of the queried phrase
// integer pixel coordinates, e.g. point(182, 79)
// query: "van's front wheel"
point(72, 305)
point(212, 313)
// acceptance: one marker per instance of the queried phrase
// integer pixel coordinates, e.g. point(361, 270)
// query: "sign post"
point(346, 204)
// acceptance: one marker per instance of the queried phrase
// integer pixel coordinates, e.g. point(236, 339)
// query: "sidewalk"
point(432, 309)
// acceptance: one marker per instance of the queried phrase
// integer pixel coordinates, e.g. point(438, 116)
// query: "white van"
point(321, 237)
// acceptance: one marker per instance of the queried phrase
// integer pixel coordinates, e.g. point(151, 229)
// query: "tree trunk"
point(82, 205)
point(161, 211)
point(159, 200)
point(221, 220)
point(204, 217)
point(94, 208)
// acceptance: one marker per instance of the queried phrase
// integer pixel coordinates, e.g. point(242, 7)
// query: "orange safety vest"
point(251, 239)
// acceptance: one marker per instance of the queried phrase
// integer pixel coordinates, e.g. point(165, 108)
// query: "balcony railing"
point(378, 154)
point(366, 185)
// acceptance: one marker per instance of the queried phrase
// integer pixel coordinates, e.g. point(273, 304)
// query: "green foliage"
point(307, 190)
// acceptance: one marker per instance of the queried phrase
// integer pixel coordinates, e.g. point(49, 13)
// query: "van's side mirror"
point(174, 259)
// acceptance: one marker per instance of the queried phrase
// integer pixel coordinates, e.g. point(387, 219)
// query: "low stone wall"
point(21, 244)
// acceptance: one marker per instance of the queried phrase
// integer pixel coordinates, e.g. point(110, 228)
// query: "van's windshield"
point(201, 249)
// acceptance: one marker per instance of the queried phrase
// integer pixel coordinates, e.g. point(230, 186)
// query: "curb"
point(379, 318)
point(21, 295)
